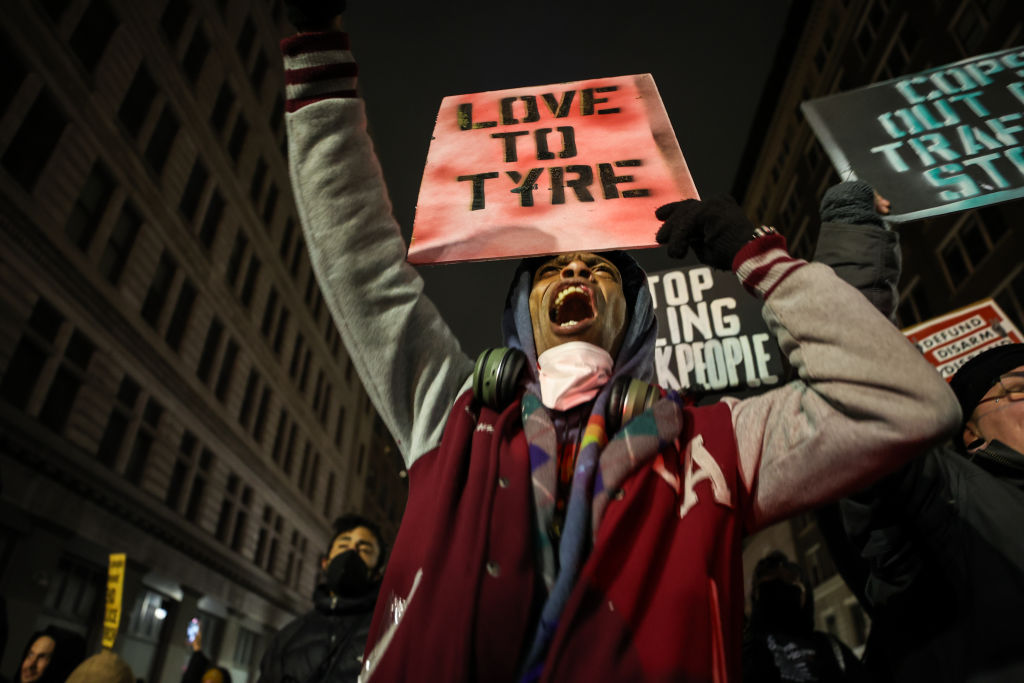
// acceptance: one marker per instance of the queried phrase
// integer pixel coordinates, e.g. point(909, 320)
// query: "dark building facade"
point(948, 261)
point(171, 383)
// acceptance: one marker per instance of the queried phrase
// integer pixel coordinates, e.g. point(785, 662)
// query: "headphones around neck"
point(496, 380)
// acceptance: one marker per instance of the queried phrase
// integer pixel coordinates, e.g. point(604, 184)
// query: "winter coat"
point(325, 644)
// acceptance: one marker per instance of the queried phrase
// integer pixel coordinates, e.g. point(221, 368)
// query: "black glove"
point(313, 15)
point(715, 228)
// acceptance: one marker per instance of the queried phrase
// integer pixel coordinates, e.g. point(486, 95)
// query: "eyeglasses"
point(1012, 384)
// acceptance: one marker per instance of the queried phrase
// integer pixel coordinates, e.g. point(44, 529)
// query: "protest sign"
point(952, 339)
point(942, 140)
point(711, 337)
point(548, 169)
point(112, 607)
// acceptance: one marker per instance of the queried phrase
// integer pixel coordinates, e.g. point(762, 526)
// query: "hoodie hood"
point(636, 355)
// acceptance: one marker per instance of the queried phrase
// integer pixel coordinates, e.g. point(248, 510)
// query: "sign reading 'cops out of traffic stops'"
point(942, 140)
point(547, 169)
point(951, 340)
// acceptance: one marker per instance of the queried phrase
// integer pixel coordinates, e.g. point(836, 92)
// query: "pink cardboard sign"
point(547, 169)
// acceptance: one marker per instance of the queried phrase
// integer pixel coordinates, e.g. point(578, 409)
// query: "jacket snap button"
point(503, 482)
point(493, 568)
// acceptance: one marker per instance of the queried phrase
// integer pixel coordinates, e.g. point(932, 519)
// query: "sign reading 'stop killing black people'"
point(942, 140)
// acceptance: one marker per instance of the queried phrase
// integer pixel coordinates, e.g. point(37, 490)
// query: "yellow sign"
point(115, 587)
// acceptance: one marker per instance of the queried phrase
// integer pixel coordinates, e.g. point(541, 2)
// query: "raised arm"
point(864, 402)
point(409, 360)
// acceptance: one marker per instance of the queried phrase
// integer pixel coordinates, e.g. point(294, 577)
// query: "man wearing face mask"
point(326, 644)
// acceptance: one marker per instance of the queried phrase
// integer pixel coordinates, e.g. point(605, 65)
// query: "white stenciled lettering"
point(700, 466)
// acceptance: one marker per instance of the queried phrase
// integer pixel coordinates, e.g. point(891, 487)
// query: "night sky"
point(709, 59)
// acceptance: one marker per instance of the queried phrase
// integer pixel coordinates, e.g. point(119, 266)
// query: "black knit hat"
point(979, 374)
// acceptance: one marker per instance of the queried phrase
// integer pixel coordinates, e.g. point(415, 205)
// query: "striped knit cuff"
point(317, 66)
point(763, 263)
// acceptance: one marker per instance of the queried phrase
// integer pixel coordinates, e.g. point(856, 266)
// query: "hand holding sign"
point(715, 228)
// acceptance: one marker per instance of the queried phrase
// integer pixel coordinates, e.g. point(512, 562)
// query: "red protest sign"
point(952, 339)
point(547, 169)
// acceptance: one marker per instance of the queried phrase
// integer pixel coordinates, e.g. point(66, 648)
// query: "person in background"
point(780, 644)
point(50, 656)
point(326, 643)
point(938, 556)
point(103, 667)
point(200, 668)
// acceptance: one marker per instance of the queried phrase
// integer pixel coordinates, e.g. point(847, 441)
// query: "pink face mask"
point(572, 373)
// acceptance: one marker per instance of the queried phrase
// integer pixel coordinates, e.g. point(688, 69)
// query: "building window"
point(160, 142)
point(227, 508)
point(269, 311)
point(91, 204)
point(248, 398)
point(251, 277)
point(211, 222)
point(195, 56)
point(34, 142)
point(144, 438)
point(67, 382)
point(282, 329)
point(76, 591)
point(259, 426)
point(241, 519)
point(266, 542)
point(138, 101)
point(968, 246)
point(289, 451)
point(227, 369)
point(13, 75)
point(246, 39)
point(173, 20)
point(182, 312)
point(159, 289)
point(1010, 297)
point(193, 192)
point(237, 141)
point(339, 430)
point(120, 243)
point(182, 469)
point(277, 114)
point(235, 260)
point(305, 371)
point(259, 71)
point(209, 352)
point(247, 644)
point(109, 449)
point(282, 426)
point(259, 174)
point(196, 494)
point(329, 495)
point(92, 35)
point(286, 240)
point(269, 205)
point(222, 107)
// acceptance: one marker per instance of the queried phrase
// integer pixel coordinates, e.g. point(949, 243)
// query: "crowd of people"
point(555, 532)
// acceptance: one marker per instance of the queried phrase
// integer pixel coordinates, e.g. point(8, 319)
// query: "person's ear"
point(972, 437)
point(323, 563)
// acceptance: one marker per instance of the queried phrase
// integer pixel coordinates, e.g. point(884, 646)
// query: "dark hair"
point(351, 521)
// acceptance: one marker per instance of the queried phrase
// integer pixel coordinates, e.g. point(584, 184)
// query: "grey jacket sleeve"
point(408, 359)
point(864, 403)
